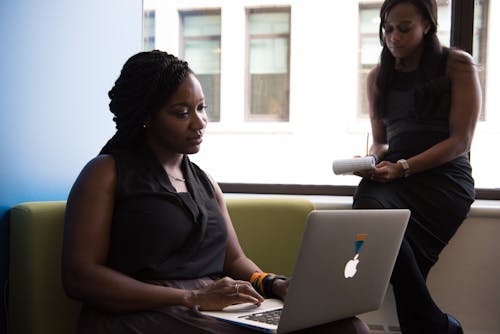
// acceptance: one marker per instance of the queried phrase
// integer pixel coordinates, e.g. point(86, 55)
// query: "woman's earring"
point(144, 125)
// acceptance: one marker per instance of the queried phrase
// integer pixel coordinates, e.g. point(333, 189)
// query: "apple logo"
point(350, 267)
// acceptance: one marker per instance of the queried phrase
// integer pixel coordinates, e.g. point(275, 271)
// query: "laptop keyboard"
point(271, 317)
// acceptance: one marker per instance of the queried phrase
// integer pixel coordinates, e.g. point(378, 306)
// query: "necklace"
point(177, 178)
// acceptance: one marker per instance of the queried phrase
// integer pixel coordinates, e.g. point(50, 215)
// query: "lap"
point(180, 319)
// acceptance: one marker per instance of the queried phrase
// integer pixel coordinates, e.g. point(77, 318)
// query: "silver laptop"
point(342, 269)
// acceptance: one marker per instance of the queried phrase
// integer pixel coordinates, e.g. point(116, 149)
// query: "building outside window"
point(201, 47)
point(268, 64)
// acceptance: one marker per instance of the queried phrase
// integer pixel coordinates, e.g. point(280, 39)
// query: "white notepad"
point(349, 166)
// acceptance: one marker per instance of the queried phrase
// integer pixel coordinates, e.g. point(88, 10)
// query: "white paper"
point(349, 166)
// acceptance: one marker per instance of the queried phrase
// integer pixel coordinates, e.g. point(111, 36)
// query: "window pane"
point(369, 20)
point(211, 84)
point(203, 56)
point(269, 56)
point(268, 66)
point(201, 49)
point(269, 23)
point(201, 25)
point(266, 99)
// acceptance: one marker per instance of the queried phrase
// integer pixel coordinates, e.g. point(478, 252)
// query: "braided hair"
point(146, 82)
point(431, 56)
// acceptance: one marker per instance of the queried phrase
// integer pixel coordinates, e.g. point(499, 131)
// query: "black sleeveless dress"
point(166, 238)
point(417, 118)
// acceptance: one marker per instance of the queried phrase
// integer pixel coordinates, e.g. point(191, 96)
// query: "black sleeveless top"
point(158, 233)
point(417, 116)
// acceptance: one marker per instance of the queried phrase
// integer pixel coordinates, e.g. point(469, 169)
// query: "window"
point(148, 30)
point(286, 83)
point(201, 47)
point(268, 65)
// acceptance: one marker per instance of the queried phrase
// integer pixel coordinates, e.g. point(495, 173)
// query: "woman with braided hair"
point(424, 101)
point(148, 239)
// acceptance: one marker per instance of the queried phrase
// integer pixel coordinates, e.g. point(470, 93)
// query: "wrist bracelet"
point(406, 167)
point(263, 283)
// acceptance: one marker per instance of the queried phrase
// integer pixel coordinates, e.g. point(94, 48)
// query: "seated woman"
point(148, 239)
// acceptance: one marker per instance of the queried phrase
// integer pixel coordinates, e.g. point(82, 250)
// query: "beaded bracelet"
point(263, 283)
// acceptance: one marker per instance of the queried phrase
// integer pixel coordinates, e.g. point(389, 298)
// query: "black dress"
point(417, 117)
point(166, 238)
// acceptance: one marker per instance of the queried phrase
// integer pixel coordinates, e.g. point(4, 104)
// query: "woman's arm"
point(86, 241)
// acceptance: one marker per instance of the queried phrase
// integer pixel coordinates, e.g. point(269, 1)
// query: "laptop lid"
point(342, 269)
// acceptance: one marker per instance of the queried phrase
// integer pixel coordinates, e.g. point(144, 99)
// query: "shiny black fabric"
point(159, 234)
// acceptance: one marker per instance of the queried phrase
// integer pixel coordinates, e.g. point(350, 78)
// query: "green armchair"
point(269, 230)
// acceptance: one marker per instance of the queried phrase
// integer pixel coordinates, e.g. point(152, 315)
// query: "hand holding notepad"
point(349, 166)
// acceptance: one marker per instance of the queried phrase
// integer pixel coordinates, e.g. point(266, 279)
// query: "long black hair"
point(431, 62)
point(146, 81)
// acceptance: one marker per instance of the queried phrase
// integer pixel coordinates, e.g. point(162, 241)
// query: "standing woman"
point(424, 102)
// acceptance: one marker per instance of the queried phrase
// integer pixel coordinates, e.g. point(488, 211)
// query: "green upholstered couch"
point(269, 230)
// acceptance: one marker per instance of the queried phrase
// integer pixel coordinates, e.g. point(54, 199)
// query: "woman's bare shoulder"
point(459, 61)
point(100, 170)
point(101, 163)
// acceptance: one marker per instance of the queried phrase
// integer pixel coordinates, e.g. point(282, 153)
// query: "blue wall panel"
point(58, 60)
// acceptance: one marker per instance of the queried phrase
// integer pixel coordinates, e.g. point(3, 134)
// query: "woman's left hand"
point(386, 171)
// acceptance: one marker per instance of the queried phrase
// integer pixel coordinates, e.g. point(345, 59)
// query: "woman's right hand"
point(222, 293)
